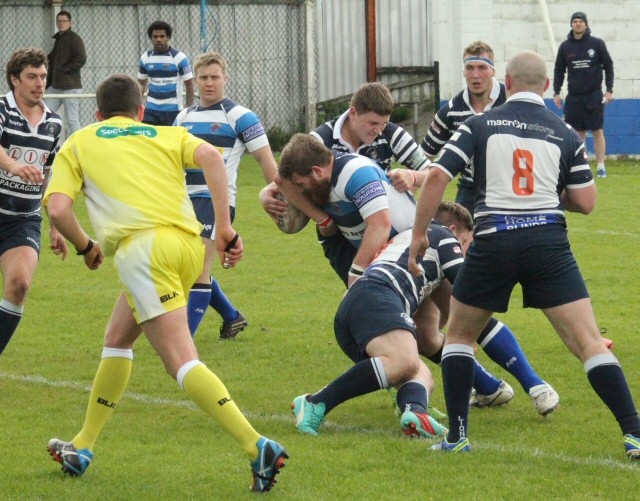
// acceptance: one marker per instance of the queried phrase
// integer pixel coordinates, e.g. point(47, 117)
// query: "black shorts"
point(20, 232)
point(203, 207)
point(539, 259)
point(585, 111)
point(155, 117)
point(340, 253)
point(368, 310)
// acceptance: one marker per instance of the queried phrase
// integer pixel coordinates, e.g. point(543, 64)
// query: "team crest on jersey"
point(591, 52)
point(166, 66)
point(53, 129)
point(215, 127)
point(408, 320)
point(373, 154)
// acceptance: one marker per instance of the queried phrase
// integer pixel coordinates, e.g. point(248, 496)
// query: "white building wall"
point(510, 26)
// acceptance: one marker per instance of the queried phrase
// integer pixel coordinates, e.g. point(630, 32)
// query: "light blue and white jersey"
point(229, 127)
point(165, 71)
point(27, 144)
point(361, 188)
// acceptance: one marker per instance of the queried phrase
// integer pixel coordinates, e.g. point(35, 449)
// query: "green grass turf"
point(159, 446)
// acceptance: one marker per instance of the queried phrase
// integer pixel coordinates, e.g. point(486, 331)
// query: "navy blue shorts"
point(155, 117)
point(340, 253)
point(20, 232)
point(539, 259)
point(203, 207)
point(585, 111)
point(368, 310)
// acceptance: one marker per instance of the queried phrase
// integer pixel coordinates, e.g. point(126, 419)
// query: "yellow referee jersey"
point(111, 160)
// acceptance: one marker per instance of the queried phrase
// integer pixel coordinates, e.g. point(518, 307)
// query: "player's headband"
point(478, 58)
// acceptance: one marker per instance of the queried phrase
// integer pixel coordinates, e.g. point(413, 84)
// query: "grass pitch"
point(159, 446)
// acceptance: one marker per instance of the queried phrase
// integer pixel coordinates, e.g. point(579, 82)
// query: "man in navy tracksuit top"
point(584, 57)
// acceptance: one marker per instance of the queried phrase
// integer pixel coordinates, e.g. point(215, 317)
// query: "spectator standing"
point(584, 57)
point(66, 59)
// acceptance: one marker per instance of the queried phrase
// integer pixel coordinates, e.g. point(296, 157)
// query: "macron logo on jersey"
point(519, 125)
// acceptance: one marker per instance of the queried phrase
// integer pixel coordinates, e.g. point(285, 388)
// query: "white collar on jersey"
point(531, 97)
point(11, 100)
point(495, 93)
point(337, 130)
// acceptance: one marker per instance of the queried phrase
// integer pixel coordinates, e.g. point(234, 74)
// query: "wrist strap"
point(413, 175)
point(356, 270)
point(325, 222)
point(233, 243)
point(86, 250)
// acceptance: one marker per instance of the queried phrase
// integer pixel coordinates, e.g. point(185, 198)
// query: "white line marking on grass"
point(382, 432)
point(617, 233)
point(138, 397)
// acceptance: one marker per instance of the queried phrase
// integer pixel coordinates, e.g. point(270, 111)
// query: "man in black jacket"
point(584, 57)
point(65, 60)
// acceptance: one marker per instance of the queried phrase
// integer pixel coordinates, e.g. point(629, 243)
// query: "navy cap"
point(580, 15)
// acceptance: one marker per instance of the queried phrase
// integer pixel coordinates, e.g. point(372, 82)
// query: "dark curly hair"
point(160, 25)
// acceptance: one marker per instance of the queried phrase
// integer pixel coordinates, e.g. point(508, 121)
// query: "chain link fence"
point(265, 42)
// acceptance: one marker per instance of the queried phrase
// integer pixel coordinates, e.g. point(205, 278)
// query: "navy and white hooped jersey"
point(361, 188)
point(26, 144)
point(451, 116)
point(165, 71)
point(524, 157)
point(392, 142)
point(442, 259)
point(231, 128)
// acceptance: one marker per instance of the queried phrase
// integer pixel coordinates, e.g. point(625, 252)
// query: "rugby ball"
point(293, 221)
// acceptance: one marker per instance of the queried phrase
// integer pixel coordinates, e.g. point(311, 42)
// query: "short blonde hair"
point(454, 214)
point(478, 48)
point(208, 58)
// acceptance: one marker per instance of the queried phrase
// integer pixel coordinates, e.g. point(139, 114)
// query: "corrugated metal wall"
point(402, 40)
point(265, 44)
point(342, 63)
point(403, 33)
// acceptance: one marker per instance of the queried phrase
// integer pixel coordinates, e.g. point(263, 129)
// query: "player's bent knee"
point(402, 368)
point(17, 289)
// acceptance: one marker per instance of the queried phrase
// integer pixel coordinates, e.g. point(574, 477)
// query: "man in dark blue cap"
point(584, 57)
